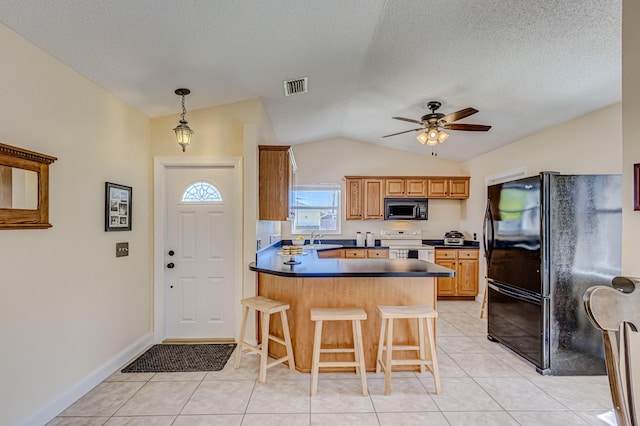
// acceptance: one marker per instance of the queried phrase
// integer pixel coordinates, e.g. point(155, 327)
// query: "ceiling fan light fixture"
point(442, 136)
point(432, 136)
point(422, 137)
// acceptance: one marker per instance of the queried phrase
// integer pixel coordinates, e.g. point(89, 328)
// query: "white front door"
point(199, 252)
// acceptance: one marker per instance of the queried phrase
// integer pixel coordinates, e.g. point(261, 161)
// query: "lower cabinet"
point(354, 253)
point(332, 254)
point(465, 263)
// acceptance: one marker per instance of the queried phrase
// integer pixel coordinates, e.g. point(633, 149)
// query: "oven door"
point(518, 320)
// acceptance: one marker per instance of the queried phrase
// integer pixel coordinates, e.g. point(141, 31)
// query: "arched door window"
point(201, 192)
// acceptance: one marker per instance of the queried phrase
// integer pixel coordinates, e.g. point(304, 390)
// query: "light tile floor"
point(483, 383)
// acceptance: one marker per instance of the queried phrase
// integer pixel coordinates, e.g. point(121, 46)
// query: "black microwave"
point(405, 208)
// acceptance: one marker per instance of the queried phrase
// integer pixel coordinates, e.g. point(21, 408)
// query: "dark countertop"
point(348, 244)
point(270, 262)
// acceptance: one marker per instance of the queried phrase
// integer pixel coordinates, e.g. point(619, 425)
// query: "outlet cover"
point(122, 249)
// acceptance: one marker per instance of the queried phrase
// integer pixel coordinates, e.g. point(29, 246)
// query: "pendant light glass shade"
point(183, 131)
point(183, 134)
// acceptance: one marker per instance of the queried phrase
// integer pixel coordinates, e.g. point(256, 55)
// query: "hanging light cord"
point(184, 111)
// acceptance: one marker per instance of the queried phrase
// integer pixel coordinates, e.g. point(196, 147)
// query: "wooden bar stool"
point(355, 315)
point(266, 307)
point(426, 327)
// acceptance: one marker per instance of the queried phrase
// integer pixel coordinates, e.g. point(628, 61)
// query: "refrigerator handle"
point(487, 233)
point(515, 295)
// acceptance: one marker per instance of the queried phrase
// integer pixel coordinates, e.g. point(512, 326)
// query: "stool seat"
point(355, 315)
point(266, 307)
point(264, 304)
point(415, 311)
point(426, 317)
point(338, 314)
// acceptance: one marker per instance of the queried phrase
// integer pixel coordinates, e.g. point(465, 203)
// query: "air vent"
point(295, 87)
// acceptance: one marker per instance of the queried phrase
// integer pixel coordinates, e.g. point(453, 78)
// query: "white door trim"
point(160, 165)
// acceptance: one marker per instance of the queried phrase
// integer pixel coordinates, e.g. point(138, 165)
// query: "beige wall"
point(231, 130)
point(630, 133)
point(218, 131)
point(328, 161)
point(67, 305)
point(577, 147)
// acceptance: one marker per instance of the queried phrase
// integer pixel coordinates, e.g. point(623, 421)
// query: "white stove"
point(406, 245)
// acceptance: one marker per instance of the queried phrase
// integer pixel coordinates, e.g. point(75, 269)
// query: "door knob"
point(170, 265)
point(171, 252)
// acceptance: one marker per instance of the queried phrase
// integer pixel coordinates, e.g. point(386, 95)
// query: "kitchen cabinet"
point(276, 182)
point(465, 263)
point(362, 253)
point(448, 187)
point(405, 187)
point(373, 199)
point(331, 254)
point(364, 198)
point(353, 199)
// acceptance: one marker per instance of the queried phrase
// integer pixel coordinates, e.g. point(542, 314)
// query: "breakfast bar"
point(343, 283)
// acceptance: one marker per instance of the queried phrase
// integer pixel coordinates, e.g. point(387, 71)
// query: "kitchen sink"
point(321, 246)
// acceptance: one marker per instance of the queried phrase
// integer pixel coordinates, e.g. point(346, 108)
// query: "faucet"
point(314, 236)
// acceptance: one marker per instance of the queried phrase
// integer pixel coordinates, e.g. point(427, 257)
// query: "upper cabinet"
point(405, 187)
point(448, 187)
point(373, 198)
point(364, 198)
point(24, 188)
point(276, 182)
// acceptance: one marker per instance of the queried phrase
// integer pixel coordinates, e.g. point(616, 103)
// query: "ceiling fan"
point(434, 122)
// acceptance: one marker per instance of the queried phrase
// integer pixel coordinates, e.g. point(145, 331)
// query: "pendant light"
point(183, 131)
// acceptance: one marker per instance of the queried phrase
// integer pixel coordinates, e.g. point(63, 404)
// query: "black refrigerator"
point(548, 238)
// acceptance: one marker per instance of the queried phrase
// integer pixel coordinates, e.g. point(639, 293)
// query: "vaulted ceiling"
point(525, 65)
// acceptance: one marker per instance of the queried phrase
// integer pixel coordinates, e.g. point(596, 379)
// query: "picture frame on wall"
point(636, 186)
point(117, 215)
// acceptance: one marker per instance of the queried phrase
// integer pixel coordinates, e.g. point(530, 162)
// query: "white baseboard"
point(55, 407)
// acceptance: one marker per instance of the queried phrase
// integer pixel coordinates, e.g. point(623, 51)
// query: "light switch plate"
point(122, 249)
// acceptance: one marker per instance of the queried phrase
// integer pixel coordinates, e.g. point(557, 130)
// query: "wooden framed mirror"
point(24, 188)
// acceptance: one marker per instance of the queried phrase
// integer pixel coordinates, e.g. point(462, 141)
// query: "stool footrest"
point(338, 364)
point(337, 351)
point(403, 348)
point(277, 339)
point(277, 361)
point(245, 348)
point(410, 362)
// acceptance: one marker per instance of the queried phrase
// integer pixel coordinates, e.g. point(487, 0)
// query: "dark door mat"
point(181, 358)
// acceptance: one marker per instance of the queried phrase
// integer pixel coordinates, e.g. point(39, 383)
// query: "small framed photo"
point(117, 211)
point(636, 186)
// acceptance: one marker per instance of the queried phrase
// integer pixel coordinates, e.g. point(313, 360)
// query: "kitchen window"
point(316, 208)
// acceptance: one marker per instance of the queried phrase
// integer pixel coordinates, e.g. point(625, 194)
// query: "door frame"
point(160, 166)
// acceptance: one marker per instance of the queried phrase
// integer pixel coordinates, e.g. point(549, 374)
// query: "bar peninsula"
point(343, 283)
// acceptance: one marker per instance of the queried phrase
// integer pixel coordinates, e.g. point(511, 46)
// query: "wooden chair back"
point(616, 311)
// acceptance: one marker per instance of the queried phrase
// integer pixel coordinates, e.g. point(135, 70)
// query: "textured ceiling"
point(525, 65)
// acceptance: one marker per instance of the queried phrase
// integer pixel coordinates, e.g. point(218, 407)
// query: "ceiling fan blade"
point(458, 115)
point(410, 120)
point(467, 127)
point(406, 131)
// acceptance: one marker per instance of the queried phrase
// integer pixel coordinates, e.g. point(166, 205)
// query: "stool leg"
point(239, 348)
point(315, 365)
point(434, 361)
point(357, 346)
point(383, 323)
point(421, 331)
point(264, 354)
point(287, 340)
point(356, 353)
point(387, 367)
